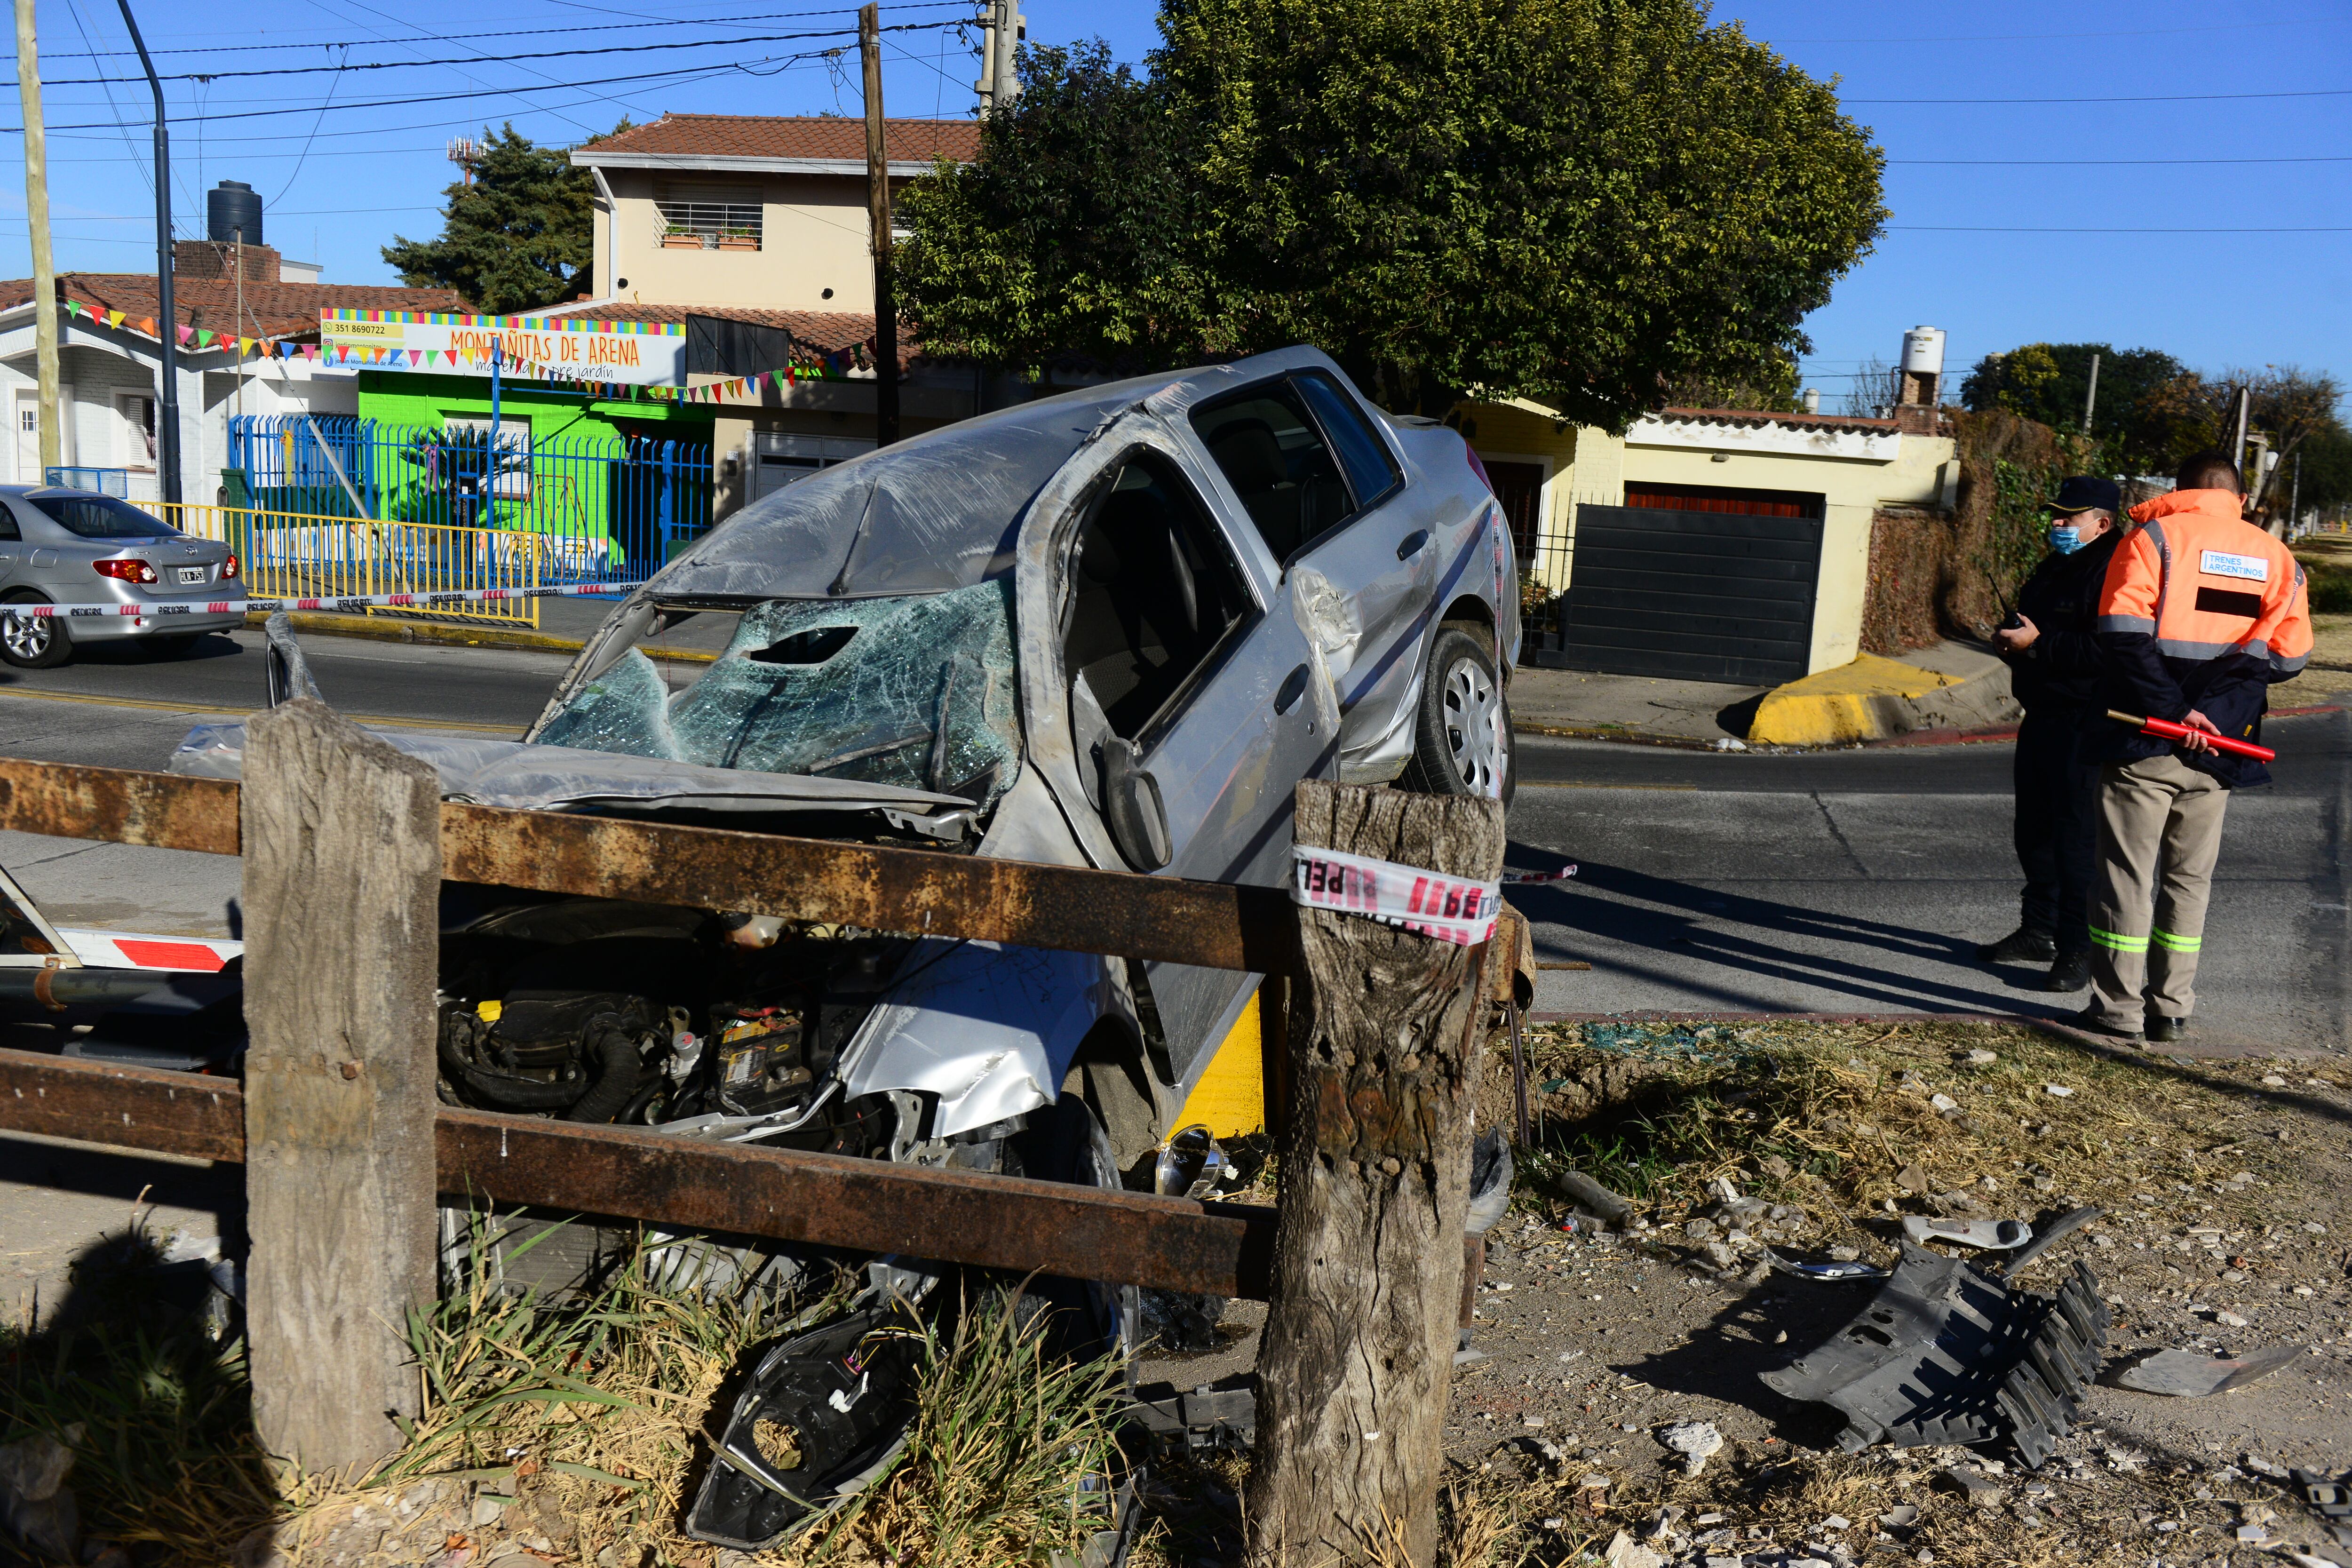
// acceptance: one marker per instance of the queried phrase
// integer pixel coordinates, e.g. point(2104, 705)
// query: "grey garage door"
point(1694, 595)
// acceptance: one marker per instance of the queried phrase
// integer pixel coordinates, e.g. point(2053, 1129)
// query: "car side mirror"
point(1131, 805)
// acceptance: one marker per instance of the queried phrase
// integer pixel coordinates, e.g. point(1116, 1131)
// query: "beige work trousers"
point(2159, 833)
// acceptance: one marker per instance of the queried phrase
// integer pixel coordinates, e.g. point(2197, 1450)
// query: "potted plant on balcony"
point(678, 237)
point(737, 239)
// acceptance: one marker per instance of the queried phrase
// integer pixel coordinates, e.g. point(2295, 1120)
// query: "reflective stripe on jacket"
point(2201, 610)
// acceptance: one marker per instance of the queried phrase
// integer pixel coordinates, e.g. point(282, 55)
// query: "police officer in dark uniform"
point(2055, 671)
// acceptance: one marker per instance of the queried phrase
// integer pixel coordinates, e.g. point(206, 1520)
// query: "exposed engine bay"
point(591, 1010)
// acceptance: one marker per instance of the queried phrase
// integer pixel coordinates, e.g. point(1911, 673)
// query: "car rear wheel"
point(1462, 735)
point(30, 644)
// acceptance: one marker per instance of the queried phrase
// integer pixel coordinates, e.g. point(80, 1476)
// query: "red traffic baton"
point(2165, 729)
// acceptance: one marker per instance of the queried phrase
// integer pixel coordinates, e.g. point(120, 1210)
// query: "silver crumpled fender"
point(989, 1030)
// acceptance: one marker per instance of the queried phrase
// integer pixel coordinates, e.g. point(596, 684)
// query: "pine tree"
point(517, 236)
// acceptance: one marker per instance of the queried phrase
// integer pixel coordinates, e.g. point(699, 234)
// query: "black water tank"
point(230, 207)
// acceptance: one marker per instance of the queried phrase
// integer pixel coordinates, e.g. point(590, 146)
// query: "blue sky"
point(2126, 97)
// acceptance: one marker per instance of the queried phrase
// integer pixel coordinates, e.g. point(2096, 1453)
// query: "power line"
point(1953, 228)
point(515, 33)
point(2169, 98)
point(2038, 38)
point(2093, 162)
point(698, 73)
point(476, 59)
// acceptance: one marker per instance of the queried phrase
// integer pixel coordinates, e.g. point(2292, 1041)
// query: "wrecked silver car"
point(1112, 629)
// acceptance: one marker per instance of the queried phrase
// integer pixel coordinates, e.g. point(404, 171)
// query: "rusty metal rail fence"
point(954, 1216)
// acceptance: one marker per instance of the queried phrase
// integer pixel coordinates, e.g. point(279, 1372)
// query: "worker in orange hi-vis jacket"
point(2200, 614)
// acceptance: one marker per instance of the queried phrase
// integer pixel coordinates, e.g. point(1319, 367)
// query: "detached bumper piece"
point(1220, 1414)
point(827, 1411)
point(1947, 1353)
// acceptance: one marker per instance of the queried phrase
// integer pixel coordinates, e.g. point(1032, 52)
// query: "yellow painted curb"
point(1841, 706)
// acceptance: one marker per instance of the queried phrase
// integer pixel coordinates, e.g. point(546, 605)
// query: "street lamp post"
point(167, 322)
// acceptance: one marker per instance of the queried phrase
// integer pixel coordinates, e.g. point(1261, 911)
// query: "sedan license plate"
point(192, 574)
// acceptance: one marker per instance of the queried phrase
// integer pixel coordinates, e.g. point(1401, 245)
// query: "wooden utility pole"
point(37, 213)
point(342, 880)
point(1357, 1354)
point(878, 203)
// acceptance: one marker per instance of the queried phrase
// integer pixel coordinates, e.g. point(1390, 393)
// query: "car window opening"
point(1372, 472)
point(814, 646)
point(1154, 591)
point(1278, 465)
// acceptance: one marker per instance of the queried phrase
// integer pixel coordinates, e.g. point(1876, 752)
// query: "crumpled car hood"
point(526, 777)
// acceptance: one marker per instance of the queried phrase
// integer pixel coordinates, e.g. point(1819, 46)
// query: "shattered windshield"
point(916, 691)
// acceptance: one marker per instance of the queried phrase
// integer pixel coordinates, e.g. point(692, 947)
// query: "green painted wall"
point(573, 489)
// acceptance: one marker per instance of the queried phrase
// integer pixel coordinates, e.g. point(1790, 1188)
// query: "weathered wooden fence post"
point(1358, 1352)
point(342, 879)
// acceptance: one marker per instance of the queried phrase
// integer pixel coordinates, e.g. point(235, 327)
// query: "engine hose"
point(506, 1091)
point(618, 1067)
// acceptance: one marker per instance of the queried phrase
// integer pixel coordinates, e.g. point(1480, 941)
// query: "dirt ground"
point(2225, 1229)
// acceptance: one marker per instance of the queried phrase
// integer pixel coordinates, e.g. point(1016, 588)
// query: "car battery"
point(757, 1058)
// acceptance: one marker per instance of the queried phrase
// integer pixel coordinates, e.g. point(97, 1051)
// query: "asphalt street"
point(1861, 881)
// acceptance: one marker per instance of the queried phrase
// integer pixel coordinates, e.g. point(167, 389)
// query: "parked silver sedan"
point(70, 547)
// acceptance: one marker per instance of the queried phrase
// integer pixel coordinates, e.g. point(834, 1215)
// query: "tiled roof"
point(1793, 421)
point(827, 136)
point(271, 309)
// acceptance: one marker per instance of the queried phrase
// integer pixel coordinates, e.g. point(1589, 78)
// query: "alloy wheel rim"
point(1475, 737)
point(27, 637)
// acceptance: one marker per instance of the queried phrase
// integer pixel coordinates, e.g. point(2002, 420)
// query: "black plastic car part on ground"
point(826, 1410)
point(1947, 1352)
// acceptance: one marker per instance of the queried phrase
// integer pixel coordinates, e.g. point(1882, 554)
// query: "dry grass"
point(1826, 1115)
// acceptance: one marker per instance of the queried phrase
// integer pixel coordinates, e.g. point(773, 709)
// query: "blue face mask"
point(2065, 537)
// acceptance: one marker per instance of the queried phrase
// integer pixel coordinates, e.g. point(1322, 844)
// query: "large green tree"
point(2138, 416)
point(1581, 202)
point(515, 236)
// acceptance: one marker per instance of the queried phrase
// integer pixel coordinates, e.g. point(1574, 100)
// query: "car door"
point(1173, 645)
point(12, 543)
point(1322, 487)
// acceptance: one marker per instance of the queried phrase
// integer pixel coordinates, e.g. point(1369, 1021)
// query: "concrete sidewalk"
point(1952, 685)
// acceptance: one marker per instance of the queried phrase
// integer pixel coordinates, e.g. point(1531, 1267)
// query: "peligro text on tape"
point(1451, 909)
point(429, 601)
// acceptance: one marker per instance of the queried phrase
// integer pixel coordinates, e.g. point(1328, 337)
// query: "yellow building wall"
point(1526, 431)
point(812, 238)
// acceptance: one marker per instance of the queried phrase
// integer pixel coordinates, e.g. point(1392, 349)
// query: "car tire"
point(1066, 1142)
point(34, 644)
point(1462, 742)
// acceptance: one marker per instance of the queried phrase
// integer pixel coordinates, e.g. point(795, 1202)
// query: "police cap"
point(2085, 492)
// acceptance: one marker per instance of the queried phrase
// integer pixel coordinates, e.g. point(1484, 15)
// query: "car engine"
point(602, 1011)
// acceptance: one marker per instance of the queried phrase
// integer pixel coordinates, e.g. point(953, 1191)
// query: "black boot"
point(2020, 946)
point(2090, 1020)
point(2162, 1030)
point(2071, 972)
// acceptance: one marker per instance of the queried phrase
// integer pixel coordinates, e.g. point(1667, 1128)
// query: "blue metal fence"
point(607, 505)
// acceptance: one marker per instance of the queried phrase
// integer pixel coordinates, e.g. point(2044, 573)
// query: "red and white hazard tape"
point(160, 607)
point(1451, 909)
point(132, 950)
